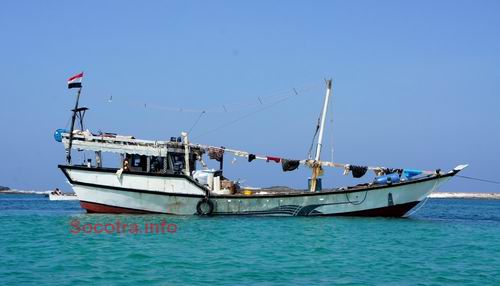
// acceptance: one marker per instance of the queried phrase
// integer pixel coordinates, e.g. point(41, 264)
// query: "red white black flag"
point(75, 81)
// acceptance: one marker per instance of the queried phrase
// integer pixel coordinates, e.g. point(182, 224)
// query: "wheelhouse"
point(138, 156)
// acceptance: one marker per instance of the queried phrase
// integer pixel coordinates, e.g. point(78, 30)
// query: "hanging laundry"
point(409, 173)
point(379, 171)
point(251, 157)
point(391, 170)
point(347, 169)
point(216, 153)
point(358, 171)
point(310, 163)
point(289, 165)
point(275, 159)
point(241, 154)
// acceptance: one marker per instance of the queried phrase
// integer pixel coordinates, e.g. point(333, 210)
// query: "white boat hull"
point(101, 190)
point(66, 197)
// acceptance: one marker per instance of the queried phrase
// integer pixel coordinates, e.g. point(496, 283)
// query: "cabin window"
point(138, 163)
point(177, 162)
point(156, 164)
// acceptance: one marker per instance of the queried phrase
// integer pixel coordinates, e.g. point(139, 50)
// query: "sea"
point(447, 242)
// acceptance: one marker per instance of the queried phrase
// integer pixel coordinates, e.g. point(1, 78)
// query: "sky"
point(415, 83)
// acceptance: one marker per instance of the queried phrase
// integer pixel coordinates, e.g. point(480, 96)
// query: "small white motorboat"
point(57, 195)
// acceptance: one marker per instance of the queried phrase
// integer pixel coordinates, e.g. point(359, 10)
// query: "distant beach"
point(447, 195)
point(30, 192)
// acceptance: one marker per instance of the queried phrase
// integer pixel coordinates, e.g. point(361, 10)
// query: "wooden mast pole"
point(187, 170)
point(68, 155)
point(316, 166)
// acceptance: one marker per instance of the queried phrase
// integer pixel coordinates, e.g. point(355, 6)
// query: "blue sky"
point(416, 84)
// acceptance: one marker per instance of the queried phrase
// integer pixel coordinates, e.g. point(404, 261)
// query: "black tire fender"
point(205, 207)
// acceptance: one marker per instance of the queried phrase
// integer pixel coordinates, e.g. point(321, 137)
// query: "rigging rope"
point(313, 139)
point(478, 179)
point(196, 122)
point(242, 117)
point(227, 107)
point(420, 205)
point(357, 202)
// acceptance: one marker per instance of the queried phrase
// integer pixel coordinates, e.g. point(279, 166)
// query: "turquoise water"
point(446, 242)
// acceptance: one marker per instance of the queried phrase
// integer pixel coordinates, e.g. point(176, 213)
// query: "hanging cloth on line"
point(391, 170)
point(379, 171)
point(347, 170)
point(216, 153)
point(275, 159)
point(251, 157)
point(241, 154)
point(357, 171)
point(289, 165)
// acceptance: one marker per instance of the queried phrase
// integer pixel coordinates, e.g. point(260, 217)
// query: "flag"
point(75, 81)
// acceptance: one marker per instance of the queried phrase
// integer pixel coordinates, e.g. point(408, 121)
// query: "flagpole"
point(68, 156)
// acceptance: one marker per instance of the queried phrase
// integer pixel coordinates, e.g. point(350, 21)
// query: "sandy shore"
point(22, 192)
point(443, 195)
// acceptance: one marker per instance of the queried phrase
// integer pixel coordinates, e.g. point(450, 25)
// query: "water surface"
point(446, 242)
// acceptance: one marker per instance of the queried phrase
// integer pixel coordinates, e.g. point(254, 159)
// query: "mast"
point(323, 118)
point(317, 167)
point(73, 118)
point(187, 170)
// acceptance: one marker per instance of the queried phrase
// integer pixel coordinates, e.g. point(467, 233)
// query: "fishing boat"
point(171, 177)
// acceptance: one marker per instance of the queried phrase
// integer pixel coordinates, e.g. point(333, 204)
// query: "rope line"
point(197, 120)
point(227, 107)
point(309, 154)
point(358, 202)
point(420, 205)
point(478, 179)
point(242, 117)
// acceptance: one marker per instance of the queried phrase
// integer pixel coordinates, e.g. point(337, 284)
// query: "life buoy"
point(205, 207)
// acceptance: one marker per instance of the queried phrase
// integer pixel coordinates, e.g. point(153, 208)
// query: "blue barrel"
point(387, 179)
point(410, 173)
point(58, 134)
